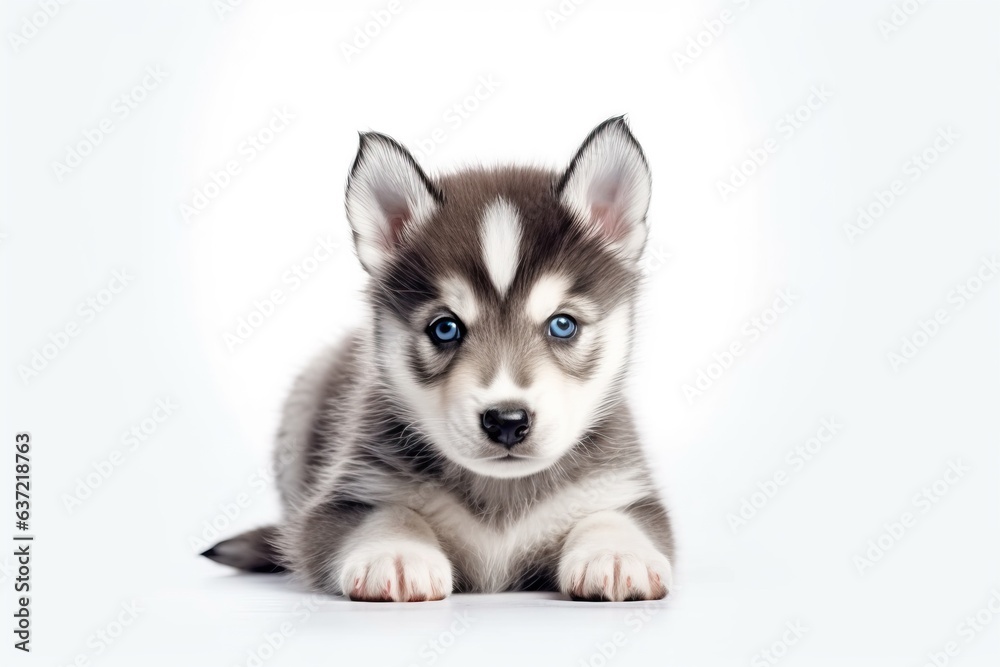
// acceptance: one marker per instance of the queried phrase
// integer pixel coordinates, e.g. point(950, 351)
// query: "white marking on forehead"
point(546, 296)
point(502, 388)
point(500, 238)
point(458, 295)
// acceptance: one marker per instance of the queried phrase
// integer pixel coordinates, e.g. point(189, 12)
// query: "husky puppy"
point(472, 435)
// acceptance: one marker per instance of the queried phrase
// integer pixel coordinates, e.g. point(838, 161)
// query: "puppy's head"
point(502, 297)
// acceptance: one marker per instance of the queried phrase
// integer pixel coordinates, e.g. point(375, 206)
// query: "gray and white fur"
point(458, 442)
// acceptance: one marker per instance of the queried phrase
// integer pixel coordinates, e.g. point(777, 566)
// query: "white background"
point(133, 540)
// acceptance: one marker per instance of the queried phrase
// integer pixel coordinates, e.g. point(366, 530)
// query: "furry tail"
point(253, 551)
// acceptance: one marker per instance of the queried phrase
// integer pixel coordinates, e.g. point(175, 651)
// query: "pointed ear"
point(607, 187)
point(388, 197)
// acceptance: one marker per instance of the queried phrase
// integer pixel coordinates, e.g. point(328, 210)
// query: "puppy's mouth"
point(488, 458)
point(511, 456)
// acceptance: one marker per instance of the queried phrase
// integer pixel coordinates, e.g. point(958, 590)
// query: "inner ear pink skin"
point(395, 224)
point(398, 216)
point(607, 210)
point(608, 222)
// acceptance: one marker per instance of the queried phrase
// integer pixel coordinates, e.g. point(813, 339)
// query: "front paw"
point(403, 572)
point(615, 575)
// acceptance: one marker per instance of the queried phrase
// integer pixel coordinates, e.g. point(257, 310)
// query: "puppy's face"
point(503, 298)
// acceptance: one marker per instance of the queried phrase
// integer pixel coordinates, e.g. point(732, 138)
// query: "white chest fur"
point(490, 554)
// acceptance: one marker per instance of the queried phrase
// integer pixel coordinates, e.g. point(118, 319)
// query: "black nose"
point(506, 427)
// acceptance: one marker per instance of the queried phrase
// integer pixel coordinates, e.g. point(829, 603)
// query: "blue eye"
point(562, 326)
point(445, 330)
